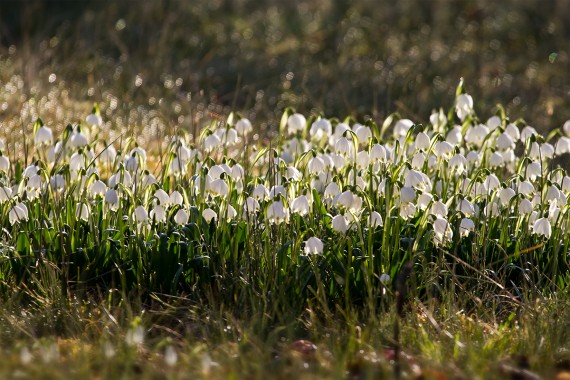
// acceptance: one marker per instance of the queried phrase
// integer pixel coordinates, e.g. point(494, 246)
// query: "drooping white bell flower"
point(525, 207)
point(313, 246)
point(340, 224)
point(4, 164)
point(316, 165)
point(566, 128)
point(43, 137)
point(158, 214)
point(57, 182)
point(141, 215)
point(260, 192)
point(277, 213)
point(5, 194)
point(402, 127)
point(211, 142)
point(407, 210)
point(251, 206)
point(542, 227)
point(94, 120)
point(442, 231)
point(505, 196)
point(209, 214)
point(464, 106)
point(97, 188)
point(243, 127)
point(296, 123)
point(466, 227)
point(320, 129)
point(363, 133)
point(407, 194)
point(563, 145)
point(301, 205)
point(375, 220)
point(176, 198)
point(112, 199)
point(476, 135)
point(424, 200)
point(181, 217)
point(18, 213)
point(82, 211)
point(218, 187)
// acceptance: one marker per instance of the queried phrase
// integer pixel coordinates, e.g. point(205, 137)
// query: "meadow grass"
point(339, 248)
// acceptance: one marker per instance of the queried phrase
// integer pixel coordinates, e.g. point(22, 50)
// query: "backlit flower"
point(313, 246)
point(542, 227)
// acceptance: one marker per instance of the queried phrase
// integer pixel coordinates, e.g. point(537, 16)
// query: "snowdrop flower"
point(542, 227)
point(458, 164)
point(375, 220)
point(97, 188)
point(108, 154)
point(444, 150)
point(466, 208)
point(112, 199)
point(78, 139)
point(407, 210)
point(349, 201)
point(161, 197)
point(377, 153)
point(313, 246)
point(218, 187)
point(466, 227)
point(424, 200)
point(402, 127)
point(181, 217)
point(442, 231)
point(476, 135)
point(362, 160)
point(301, 205)
point(496, 160)
point(94, 119)
point(230, 212)
point(211, 142)
point(82, 211)
point(176, 198)
point(464, 106)
point(209, 214)
point(566, 128)
point(439, 209)
point(296, 123)
point(18, 213)
point(316, 165)
point(505, 196)
point(343, 147)
point(141, 215)
point(243, 127)
point(455, 135)
point(407, 194)
point(563, 145)
point(251, 206)
point(533, 170)
point(260, 192)
point(504, 141)
point(525, 207)
point(340, 224)
point(158, 214)
point(5, 194)
point(44, 136)
point(494, 122)
point(363, 133)
point(4, 164)
point(277, 213)
point(57, 182)
point(527, 132)
point(320, 129)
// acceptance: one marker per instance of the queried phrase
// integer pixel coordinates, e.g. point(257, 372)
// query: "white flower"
point(260, 192)
point(316, 165)
point(375, 220)
point(402, 127)
point(4, 164)
point(443, 149)
point(313, 246)
point(340, 224)
point(407, 194)
point(296, 123)
point(94, 120)
point(44, 136)
point(320, 129)
point(465, 227)
point(363, 133)
point(112, 199)
point(98, 188)
point(158, 214)
point(525, 207)
point(82, 211)
point(211, 142)
point(466, 207)
point(566, 128)
point(504, 141)
point(533, 170)
point(123, 177)
point(5, 194)
point(209, 214)
point(442, 231)
point(343, 147)
point(218, 187)
point(476, 135)
point(527, 132)
point(301, 205)
point(141, 215)
point(377, 153)
point(505, 196)
point(176, 198)
point(78, 139)
point(108, 154)
point(542, 227)
point(464, 106)
point(563, 145)
point(407, 210)
point(277, 213)
point(494, 122)
point(424, 200)
point(18, 213)
point(251, 205)
point(243, 127)
point(181, 217)
point(57, 182)
point(439, 209)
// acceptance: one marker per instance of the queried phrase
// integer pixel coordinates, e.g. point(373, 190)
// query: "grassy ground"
point(168, 67)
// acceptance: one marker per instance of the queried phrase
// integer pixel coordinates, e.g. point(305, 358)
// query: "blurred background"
point(163, 64)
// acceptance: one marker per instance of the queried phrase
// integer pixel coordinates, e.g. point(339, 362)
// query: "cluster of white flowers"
point(456, 177)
